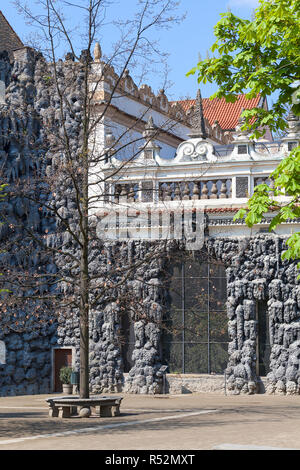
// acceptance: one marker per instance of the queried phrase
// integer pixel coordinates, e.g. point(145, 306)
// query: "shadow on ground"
point(24, 424)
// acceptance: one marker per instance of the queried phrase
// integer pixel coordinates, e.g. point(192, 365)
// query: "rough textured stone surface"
point(256, 272)
point(254, 267)
point(188, 383)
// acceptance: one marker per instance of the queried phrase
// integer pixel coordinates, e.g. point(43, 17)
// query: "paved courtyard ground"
point(190, 422)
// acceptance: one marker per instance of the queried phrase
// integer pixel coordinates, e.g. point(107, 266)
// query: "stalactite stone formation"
point(33, 328)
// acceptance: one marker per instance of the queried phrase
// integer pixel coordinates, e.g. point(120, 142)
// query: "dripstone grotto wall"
point(32, 237)
point(28, 330)
point(33, 325)
point(256, 272)
point(142, 299)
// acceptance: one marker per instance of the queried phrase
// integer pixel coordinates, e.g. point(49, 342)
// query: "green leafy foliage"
point(261, 57)
point(65, 375)
point(286, 182)
point(257, 57)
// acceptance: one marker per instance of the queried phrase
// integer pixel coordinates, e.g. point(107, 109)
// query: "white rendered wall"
point(129, 142)
point(134, 108)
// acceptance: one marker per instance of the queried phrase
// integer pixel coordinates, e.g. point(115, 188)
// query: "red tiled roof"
point(232, 209)
point(227, 114)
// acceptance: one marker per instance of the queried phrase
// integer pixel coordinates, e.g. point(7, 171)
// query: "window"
point(148, 154)
point(242, 184)
point(147, 191)
point(194, 337)
point(292, 145)
point(242, 149)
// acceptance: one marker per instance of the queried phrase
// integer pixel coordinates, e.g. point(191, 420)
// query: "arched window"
point(195, 338)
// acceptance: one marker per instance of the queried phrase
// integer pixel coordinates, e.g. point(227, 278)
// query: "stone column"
point(106, 373)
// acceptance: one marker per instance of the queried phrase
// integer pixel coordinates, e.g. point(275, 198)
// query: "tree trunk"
point(84, 282)
point(84, 327)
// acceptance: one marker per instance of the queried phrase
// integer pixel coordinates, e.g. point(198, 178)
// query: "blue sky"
point(183, 42)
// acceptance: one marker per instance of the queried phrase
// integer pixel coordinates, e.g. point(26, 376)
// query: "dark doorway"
point(263, 347)
point(62, 357)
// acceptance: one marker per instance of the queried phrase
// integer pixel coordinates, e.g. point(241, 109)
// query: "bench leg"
point(116, 410)
point(64, 412)
point(85, 412)
point(105, 411)
point(53, 412)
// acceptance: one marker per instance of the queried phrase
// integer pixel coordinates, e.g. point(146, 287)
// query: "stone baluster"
point(168, 192)
point(186, 192)
point(230, 189)
point(259, 180)
point(196, 190)
point(131, 193)
point(204, 191)
point(124, 192)
point(272, 186)
point(107, 192)
point(214, 191)
point(117, 193)
point(223, 191)
point(177, 192)
point(161, 192)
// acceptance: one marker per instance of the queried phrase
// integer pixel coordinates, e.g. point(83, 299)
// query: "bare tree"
point(67, 183)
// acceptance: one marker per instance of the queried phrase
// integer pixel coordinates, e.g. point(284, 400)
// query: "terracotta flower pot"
point(67, 388)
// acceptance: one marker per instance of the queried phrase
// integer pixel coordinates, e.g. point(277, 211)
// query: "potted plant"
point(65, 377)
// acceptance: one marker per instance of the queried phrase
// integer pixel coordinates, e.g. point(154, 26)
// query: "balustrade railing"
point(264, 180)
point(128, 192)
point(194, 190)
point(148, 191)
point(172, 191)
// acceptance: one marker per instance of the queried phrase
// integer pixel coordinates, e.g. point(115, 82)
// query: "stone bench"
point(65, 407)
